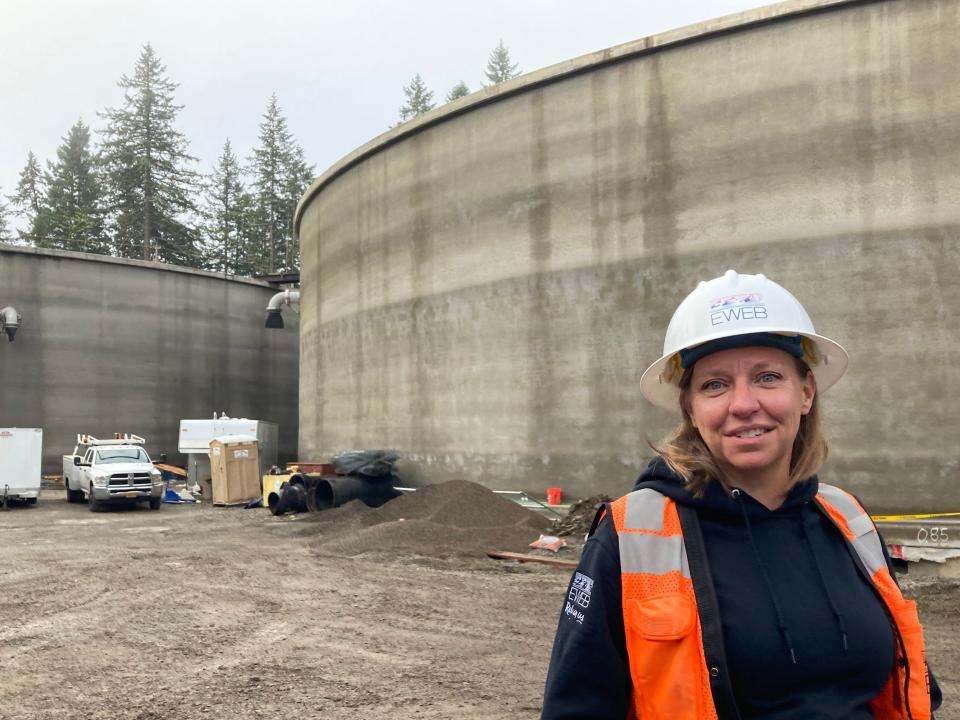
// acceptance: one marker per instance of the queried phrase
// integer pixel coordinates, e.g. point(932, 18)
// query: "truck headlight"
point(156, 476)
point(99, 480)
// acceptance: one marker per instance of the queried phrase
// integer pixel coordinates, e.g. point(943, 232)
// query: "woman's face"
point(747, 404)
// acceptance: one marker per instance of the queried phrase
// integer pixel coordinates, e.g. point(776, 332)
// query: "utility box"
point(235, 470)
point(271, 487)
point(21, 450)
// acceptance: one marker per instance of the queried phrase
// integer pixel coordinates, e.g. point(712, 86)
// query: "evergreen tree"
point(419, 99)
point(71, 214)
point(280, 175)
point(249, 248)
point(29, 195)
point(5, 235)
point(145, 160)
point(226, 204)
point(299, 175)
point(499, 67)
point(458, 91)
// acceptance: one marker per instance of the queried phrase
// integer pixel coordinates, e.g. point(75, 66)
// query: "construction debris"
point(171, 469)
point(549, 542)
point(580, 517)
point(521, 557)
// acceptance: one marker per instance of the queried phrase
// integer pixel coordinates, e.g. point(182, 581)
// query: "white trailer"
point(21, 450)
point(196, 436)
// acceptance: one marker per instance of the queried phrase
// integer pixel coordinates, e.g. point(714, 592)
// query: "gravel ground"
point(194, 611)
point(201, 612)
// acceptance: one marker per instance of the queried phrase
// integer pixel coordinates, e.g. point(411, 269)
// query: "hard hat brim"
point(664, 394)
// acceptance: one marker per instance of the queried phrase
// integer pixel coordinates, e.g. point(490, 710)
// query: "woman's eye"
point(712, 386)
point(768, 378)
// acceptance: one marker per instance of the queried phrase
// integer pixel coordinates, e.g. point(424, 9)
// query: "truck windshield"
point(122, 455)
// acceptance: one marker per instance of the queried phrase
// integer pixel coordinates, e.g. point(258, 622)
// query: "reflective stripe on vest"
point(863, 535)
point(642, 548)
point(907, 694)
point(661, 622)
point(667, 665)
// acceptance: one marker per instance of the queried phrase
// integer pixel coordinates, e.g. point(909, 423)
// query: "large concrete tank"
point(110, 345)
point(482, 287)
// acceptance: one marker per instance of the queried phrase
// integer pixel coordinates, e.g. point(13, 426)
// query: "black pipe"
point(308, 483)
point(304, 479)
point(330, 491)
point(309, 492)
point(293, 498)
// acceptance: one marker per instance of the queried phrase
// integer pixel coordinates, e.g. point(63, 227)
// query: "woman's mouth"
point(751, 433)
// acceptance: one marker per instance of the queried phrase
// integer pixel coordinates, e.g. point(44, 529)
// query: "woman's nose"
point(743, 401)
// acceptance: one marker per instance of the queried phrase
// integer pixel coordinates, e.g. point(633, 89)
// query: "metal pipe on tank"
point(10, 321)
point(290, 298)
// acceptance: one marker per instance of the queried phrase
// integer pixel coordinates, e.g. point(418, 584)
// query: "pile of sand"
point(455, 518)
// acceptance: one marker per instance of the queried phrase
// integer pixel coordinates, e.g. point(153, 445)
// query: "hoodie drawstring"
point(826, 587)
point(735, 493)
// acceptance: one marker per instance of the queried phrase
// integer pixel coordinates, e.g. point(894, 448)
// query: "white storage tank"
point(21, 450)
point(482, 286)
point(183, 343)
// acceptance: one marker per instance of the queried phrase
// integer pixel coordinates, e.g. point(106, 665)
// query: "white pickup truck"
point(103, 471)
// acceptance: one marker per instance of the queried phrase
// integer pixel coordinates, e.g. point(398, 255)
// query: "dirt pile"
point(452, 519)
point(578, 519)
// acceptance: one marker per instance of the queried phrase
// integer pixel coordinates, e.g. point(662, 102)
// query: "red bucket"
point(553, 496)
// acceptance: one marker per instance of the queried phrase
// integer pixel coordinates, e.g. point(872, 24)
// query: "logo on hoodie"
point(578, 599)
point(745, 306)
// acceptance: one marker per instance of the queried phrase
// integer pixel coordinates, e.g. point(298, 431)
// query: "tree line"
point(419, 98)
point(131, 192)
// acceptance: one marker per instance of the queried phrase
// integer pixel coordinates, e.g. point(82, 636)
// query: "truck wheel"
point(155, 503)
point(74, 496)
point(31, 501)
point(95, 505)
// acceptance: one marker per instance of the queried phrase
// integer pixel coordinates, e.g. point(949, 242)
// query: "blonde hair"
point(689, 458)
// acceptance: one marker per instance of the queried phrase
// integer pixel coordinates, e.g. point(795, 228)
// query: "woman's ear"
point(809, 392)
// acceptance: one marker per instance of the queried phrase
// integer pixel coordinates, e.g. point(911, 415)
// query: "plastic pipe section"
point(275, 307)
point(312, 493)
point(293, 498)
point(9, 321)
point(331, 492)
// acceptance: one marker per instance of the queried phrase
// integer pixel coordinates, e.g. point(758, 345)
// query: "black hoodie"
point(805, 635)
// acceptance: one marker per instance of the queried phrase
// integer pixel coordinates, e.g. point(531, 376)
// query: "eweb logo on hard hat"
point(746, 306)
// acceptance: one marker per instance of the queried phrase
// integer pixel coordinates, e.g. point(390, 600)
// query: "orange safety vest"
point(668, 668)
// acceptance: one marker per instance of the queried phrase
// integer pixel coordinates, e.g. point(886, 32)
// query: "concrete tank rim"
point(736, 22)
point(130, 262)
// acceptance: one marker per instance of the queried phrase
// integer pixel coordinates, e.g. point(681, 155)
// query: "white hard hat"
point(732, 306)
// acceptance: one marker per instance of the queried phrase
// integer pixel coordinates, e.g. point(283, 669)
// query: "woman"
point(731, 583)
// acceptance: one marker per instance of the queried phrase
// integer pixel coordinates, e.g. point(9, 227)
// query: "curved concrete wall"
point(482, 288)
point(112, 345)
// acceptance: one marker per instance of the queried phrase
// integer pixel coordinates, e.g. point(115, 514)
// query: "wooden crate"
point(235, 471)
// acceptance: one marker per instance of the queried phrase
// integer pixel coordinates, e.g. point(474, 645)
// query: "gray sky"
point(338, 69)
